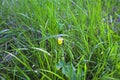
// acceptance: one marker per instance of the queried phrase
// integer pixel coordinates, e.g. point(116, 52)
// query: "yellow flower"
point(60, 40)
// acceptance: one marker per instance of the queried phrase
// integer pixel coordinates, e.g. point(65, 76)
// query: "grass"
point(29, 30)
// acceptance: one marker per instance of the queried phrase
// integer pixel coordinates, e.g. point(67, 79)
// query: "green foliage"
point(67, 69)
point(29, 30)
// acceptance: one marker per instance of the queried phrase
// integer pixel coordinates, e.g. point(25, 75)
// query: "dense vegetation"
point(89, 30)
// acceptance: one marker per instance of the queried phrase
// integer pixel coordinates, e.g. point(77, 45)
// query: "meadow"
point(59, 39)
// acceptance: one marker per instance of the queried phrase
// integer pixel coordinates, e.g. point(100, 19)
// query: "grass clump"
point(89, 34)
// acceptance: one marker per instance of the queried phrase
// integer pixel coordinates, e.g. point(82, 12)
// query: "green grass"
point(28, 40)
